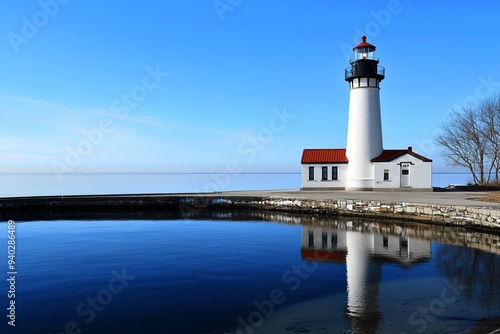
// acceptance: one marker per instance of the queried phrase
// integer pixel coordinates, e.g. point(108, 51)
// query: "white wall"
point(374, 243)
point(318, 183)
point(318, 238)
point(364, 136)
point(420, 173)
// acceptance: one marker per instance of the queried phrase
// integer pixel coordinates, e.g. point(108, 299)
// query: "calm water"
point(249, 273)
point(115, 183)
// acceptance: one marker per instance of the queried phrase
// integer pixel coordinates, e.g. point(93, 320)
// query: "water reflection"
point(468, 260)
point(476, 270)
point(370, 302)
point(364, 254)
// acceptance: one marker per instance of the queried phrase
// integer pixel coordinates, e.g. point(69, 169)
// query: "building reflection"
point(364, 253)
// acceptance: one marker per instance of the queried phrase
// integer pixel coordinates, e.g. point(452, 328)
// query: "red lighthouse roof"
point(364, 44)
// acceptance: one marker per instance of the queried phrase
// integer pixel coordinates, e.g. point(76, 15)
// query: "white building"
point(364, 164)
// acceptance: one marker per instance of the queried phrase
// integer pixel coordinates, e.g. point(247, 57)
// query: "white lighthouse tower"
point(364, 164)
point(364, 132)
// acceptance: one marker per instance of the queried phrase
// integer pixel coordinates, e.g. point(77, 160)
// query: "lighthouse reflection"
point(364, 253)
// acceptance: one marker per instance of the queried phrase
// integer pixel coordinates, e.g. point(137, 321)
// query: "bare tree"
point(490, 116)
point(471, 138)
point(463, 143)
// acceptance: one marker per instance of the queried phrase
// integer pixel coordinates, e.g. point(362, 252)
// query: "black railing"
point(352, 71)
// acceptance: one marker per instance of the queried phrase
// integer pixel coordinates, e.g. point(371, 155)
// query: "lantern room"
point(364, 65)
point(363, 50)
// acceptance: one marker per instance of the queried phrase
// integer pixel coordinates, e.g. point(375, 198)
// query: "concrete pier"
point(447, 208)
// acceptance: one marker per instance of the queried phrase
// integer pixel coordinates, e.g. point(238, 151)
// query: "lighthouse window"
point(311, 173)
point(386, 175)
point(335, 173)
point(324, 173)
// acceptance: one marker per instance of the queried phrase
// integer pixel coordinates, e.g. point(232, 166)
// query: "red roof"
point(337, 256)
point(389, 155)
point(364, 44)
point(322, 156)
point(337, 156)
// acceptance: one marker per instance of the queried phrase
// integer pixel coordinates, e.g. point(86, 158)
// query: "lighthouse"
point(364, 131)
point(364, 164)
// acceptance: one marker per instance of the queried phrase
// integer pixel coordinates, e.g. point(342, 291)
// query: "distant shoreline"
point(445, 208)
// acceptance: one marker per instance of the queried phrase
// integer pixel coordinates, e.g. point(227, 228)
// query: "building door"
point(405, 175)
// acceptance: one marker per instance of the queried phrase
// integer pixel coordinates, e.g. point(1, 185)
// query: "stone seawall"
point(473, 217)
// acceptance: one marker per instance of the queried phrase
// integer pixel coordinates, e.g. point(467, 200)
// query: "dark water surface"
point(259, 273)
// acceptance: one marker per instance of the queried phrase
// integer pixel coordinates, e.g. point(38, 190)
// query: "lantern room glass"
point(364, 53)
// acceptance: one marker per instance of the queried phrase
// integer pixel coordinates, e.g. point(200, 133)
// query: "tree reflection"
point(475, 270)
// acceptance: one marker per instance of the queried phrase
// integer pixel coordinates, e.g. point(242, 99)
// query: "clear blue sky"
point(203, 85)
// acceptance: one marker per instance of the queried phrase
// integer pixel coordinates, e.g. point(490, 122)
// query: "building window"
point(403, 246)
point(324, 240)
point(386, 175)
point(311, 173)
point(310, 242)
point(334, 241)
point(324, 173)
point(335, 173)
point(404, 243)
point(405, 172)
